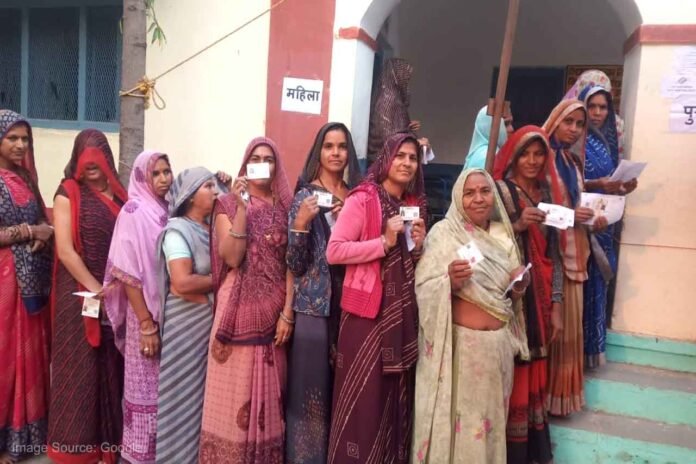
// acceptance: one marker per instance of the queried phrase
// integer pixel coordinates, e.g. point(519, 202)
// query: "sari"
point(185, 325)
point(24, 318)
point(243, 420)
point(86, 366)
point(389, 113)
point(601, 159)
point(564, 169)
point(528, 438)
point(316, 303)
point(479, 140)
point(376, 353)
point(464, 376)
point(132, 261)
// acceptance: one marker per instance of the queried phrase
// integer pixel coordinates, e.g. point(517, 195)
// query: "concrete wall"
point(655, 286)
point(454, 48)
point(216, 103)
point(52, 150)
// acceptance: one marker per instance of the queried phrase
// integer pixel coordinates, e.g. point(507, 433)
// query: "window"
point(61, 67)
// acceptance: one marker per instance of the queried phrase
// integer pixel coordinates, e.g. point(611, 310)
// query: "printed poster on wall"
point(302, 95)
point(682, 114)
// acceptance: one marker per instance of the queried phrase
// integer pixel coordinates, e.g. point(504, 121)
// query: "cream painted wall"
point(216, 103)
point(655, 286)
point(52, 149)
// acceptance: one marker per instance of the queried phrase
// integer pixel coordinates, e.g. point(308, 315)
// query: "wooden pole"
point(499, 100)
point(132, 130)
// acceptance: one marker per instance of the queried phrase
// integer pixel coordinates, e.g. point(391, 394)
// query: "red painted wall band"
point(300, 45)
point(358, 33)
point(661, 34)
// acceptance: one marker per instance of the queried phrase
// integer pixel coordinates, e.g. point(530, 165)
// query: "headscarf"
point(184, 187)
point(607, 133)
point(251, 312)
point(564, 173)
point(479, 140)
point(597, 78)
point(90, 147)
point(312, 165)
point(533, 240)
point(33, 270)
point(132, 256)
point(485, 289)
point(390, 112)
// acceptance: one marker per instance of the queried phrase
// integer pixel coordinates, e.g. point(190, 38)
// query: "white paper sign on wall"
point(682, 115)
point(302, 95)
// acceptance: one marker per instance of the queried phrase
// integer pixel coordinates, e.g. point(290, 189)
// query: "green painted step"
point(644, 350)
point(592, 437)
point(644, 392)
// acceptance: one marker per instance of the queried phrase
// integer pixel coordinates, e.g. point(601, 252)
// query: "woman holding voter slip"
point(372, 412)
point(520, 177)
point(567, 131)
point(243, 413)
point(601, 160)
point(468, 283)
point(87, 368)
point(319, 196)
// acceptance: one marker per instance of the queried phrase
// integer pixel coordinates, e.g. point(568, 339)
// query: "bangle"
point(152, 331)
point(31, 233)
point(236, 235)
point(287, 319)
point(299, 231)
point(384, 243)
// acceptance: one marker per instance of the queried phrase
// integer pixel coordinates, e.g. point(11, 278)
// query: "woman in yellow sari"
point(471, 327)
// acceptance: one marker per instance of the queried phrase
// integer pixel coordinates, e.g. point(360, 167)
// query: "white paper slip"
point(557, 216)
point(245, 196)
point(324, 199)
point(409, 213)
point(90, 307)
point(610, 206)
point(471, 253)
point(627, 170)
point(258, 171)
point(519, 277)
point(85, 294)
point(330, 219)
point(428, 154)
point(410, 244)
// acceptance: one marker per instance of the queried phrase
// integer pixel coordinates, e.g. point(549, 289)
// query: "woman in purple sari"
point(132, 300)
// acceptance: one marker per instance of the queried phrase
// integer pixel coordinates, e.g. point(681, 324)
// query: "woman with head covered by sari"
point(479, 140)
point(331, 168)
point(25, 280)
point(521, 180)
point(243, 414)
point(470, 328)
point(372, 414)
point(87, 368)
point(133, 301)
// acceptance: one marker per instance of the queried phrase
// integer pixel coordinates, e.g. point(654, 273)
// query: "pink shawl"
point(258, 293)
point(132, 256)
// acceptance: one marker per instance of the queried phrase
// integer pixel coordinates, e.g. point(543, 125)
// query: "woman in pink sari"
point(132, 300)
point(25, 279)
point(243, 420)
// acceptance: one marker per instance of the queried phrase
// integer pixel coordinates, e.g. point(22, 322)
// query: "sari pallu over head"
point(564, 172)
point(362, 286)
point(182, 190)
point(534, 239)
point(33, 270)
point(485, 289)
point(91, 147)
point(607, 133)
point(251, 313)
point(476, 158)
point(132, 256)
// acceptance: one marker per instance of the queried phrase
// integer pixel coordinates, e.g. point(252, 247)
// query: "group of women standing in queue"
point(265, 328)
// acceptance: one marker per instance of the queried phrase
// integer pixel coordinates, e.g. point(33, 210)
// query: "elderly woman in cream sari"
point(471, 327)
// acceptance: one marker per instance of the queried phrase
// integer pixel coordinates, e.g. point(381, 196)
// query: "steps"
point(640, 407)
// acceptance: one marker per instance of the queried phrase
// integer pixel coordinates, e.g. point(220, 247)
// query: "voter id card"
point(471, 253)
point(258, 171)
point(324, 199)
point(409, 213)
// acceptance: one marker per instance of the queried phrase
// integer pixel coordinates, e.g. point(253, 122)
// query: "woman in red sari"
point(520, 177)
point(87, 369)
point(25, 265)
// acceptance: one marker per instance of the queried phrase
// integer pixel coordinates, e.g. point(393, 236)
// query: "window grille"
point(103, 64)
point(10, 58)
